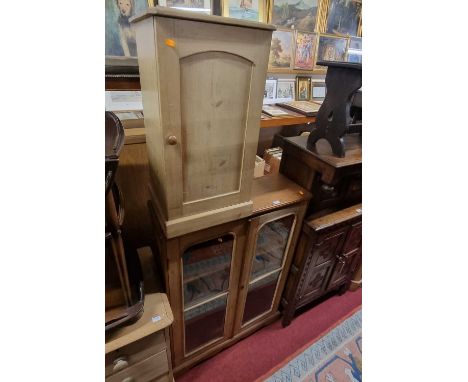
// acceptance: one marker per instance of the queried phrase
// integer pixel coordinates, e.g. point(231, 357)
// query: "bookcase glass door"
point(206, 273)
point(267, 264)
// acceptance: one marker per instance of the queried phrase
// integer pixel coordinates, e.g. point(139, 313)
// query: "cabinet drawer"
point(129, 355)
point(144, 371)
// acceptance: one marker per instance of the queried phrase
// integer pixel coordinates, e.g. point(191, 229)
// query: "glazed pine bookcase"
point(226, 281)
point(202, 80)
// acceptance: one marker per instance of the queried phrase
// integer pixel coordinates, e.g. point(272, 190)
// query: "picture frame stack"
point(279, 90)
point(307, 31)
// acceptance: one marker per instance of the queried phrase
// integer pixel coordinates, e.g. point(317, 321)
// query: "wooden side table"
point(334, 182)
point(141, 352)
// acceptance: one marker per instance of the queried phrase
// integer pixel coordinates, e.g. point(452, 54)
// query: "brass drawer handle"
point(120, 364)
point(128, 379)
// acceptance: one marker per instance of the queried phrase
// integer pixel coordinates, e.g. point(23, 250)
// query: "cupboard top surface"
point(271, 192)
point(335, 217)
point(192, 16)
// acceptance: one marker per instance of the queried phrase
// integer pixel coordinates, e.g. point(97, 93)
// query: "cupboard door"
point(212, 84)
point(208, 263)
point(205, 278)
point(348, 257)
point(345, 265)
point(320, 261)
point(270, 238)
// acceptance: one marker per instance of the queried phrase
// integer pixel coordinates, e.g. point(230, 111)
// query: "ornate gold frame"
point(262, 9)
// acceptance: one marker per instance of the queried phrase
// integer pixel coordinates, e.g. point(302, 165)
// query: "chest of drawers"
point(141, 352)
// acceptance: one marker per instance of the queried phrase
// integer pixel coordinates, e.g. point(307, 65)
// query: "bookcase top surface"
point(192, 16)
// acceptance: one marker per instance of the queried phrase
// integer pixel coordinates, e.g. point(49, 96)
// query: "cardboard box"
point(272, 159)
point(259, 167)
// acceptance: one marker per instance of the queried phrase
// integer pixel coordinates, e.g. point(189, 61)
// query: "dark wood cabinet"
point(327, 255)
point(334, 182)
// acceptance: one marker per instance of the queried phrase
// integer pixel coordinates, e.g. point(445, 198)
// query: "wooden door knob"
point(128, 379)
point(120, 363)
point(172, 140)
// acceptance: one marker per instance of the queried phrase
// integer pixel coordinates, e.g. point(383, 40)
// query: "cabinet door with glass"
point(271, 241)
point(207, 279)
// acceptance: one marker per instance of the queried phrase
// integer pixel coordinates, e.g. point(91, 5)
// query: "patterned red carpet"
point(335, 356)
point(256, 355)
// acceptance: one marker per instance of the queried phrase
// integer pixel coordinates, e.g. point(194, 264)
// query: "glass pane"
point(204, 323)
point(271, 244)
point(206, 269)
point(260, 296)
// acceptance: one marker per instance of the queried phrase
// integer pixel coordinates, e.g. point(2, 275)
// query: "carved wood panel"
point(354, 238)
point(343, 268)
point(325, 249)
point(320, 260)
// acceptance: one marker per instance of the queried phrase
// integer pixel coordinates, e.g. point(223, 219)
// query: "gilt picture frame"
point(295, 14)
point(252, 10)
point(344, 17)
point(305, 50)
point(331, 48)
point(281, 50)
point(303, 88)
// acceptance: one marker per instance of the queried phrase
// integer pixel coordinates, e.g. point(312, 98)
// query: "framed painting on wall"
point(120, 37)
point(305, 50)
point(253, 10)
point(343, 17)
point(281, 50)
point(285, 89)
point(295, 14)
point(331, 48)
point(302, 88)
point(201, 6)
point(354, 53)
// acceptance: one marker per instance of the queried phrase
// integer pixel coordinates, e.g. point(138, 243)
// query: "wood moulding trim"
point(159, 11)
point(197, 222)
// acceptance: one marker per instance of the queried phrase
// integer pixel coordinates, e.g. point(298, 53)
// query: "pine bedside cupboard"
point(202, 80)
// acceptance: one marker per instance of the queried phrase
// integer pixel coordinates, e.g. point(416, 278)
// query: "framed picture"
point(305, 50)
point(270, 90)
point(281, 50)
point(253, 10)
point(295, 14)
point(343, 17)
point(319, 90)
point(201, 6)
point(285, 89)
point(306, 108)
point(354, 53)
point(331, 48)
point(120, 36)
point(302, 88)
